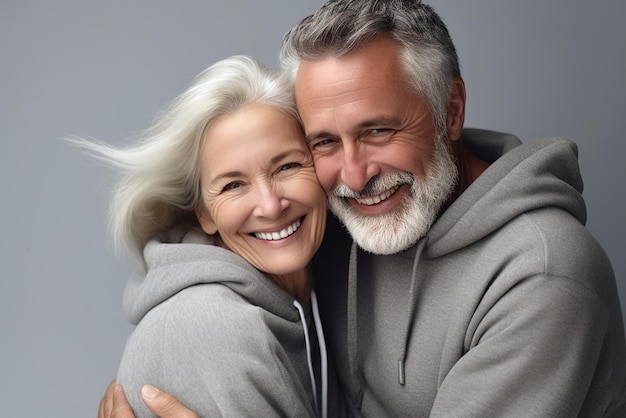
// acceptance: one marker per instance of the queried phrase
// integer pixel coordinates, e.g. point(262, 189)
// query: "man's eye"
point(321, 143)
point(377, 131)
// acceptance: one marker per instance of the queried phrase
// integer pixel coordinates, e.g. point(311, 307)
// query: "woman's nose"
point(271, 202)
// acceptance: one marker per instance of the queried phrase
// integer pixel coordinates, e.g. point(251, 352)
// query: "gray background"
point(101, 69)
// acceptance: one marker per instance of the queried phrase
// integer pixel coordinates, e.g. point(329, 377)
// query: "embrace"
point(452, 276)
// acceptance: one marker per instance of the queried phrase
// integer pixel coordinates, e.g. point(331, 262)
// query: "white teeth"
point(372, 200)
point(273, 236)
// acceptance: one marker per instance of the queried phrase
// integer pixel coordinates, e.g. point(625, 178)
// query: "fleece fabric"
point(219, 335)
point(507, 308)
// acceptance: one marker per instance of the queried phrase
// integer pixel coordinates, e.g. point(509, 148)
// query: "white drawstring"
point(308, 349)
point(323, 355)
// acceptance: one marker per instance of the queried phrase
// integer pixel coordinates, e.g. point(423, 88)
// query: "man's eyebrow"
point(317, 135)
point(379, 121)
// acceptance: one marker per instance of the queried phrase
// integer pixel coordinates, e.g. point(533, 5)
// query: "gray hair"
point(159, 184)
point(339, 27)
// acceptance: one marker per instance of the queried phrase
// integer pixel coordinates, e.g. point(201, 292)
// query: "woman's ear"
point(456, 109)
point(205, 220)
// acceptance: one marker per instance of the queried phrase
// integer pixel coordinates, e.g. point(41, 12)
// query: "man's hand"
point(114, 403)
point(164, 405)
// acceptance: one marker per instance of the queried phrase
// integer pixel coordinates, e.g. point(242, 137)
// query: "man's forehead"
point(332, 90)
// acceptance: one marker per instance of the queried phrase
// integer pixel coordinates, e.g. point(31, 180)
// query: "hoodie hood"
point(181, 257)
point(534, 175)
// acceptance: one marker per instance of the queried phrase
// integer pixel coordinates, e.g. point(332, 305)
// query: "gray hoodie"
point(507, 308)
point(220, 336)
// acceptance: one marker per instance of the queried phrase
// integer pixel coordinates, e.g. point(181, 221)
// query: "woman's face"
point(259, 190)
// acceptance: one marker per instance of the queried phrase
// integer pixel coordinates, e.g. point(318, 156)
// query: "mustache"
point(375, 186)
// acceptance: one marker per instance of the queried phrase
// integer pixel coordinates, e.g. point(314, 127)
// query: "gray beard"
point(400, 229)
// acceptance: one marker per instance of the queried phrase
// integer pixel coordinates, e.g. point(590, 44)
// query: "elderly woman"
point(220, 206)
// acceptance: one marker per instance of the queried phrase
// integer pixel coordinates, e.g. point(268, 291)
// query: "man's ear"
point(205, 220)
point(456, 109)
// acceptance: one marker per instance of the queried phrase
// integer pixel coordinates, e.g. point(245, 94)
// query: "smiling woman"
point(222, 207)
point(260, 193)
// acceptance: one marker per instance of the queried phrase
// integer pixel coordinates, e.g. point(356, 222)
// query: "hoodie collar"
point(529, 176)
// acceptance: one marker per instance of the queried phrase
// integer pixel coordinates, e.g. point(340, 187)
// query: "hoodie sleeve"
point(541, 342)
point(218, 359)
point(516, 368)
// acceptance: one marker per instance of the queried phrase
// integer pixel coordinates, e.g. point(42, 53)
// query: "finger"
point(163, 404)
point(120, 408)
point(106, 403)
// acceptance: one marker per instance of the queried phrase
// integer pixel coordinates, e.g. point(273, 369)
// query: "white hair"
point(340, 27)
point(159, 182)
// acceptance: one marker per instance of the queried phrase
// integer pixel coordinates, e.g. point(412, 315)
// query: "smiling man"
point(466, 283)
point(386, 168)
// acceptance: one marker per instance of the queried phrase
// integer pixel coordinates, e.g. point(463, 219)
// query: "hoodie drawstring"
point(411, 310)
point(352, 319)
point(323, 353)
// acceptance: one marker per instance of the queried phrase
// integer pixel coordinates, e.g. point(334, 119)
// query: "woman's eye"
point(231, 186)
point(289, 166)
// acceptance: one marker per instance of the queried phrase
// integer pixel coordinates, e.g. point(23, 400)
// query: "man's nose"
point(357, 169)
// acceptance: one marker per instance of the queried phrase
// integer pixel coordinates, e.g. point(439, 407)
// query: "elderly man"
point(468, 284)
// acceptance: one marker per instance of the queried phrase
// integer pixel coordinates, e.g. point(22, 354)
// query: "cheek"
point(226, 214)
point(306, 189)
point(410, 157)
point(318, 197)
point(327, 173)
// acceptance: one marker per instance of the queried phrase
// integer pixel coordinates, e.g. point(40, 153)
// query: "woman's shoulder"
point(201, 311)
point(202, 303)
point(208, 336)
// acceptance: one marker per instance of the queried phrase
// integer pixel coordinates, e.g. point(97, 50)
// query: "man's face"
point(374, 145)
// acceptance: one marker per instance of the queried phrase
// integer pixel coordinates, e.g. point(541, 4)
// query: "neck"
point(470, 167)
point(297, 284)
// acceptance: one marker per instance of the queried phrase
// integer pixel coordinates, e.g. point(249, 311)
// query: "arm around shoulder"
point(215, 358)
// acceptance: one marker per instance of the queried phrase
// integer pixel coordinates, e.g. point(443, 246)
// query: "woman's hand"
point(164, 405)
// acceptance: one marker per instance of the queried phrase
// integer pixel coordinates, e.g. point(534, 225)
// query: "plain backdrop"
point(101, 69)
